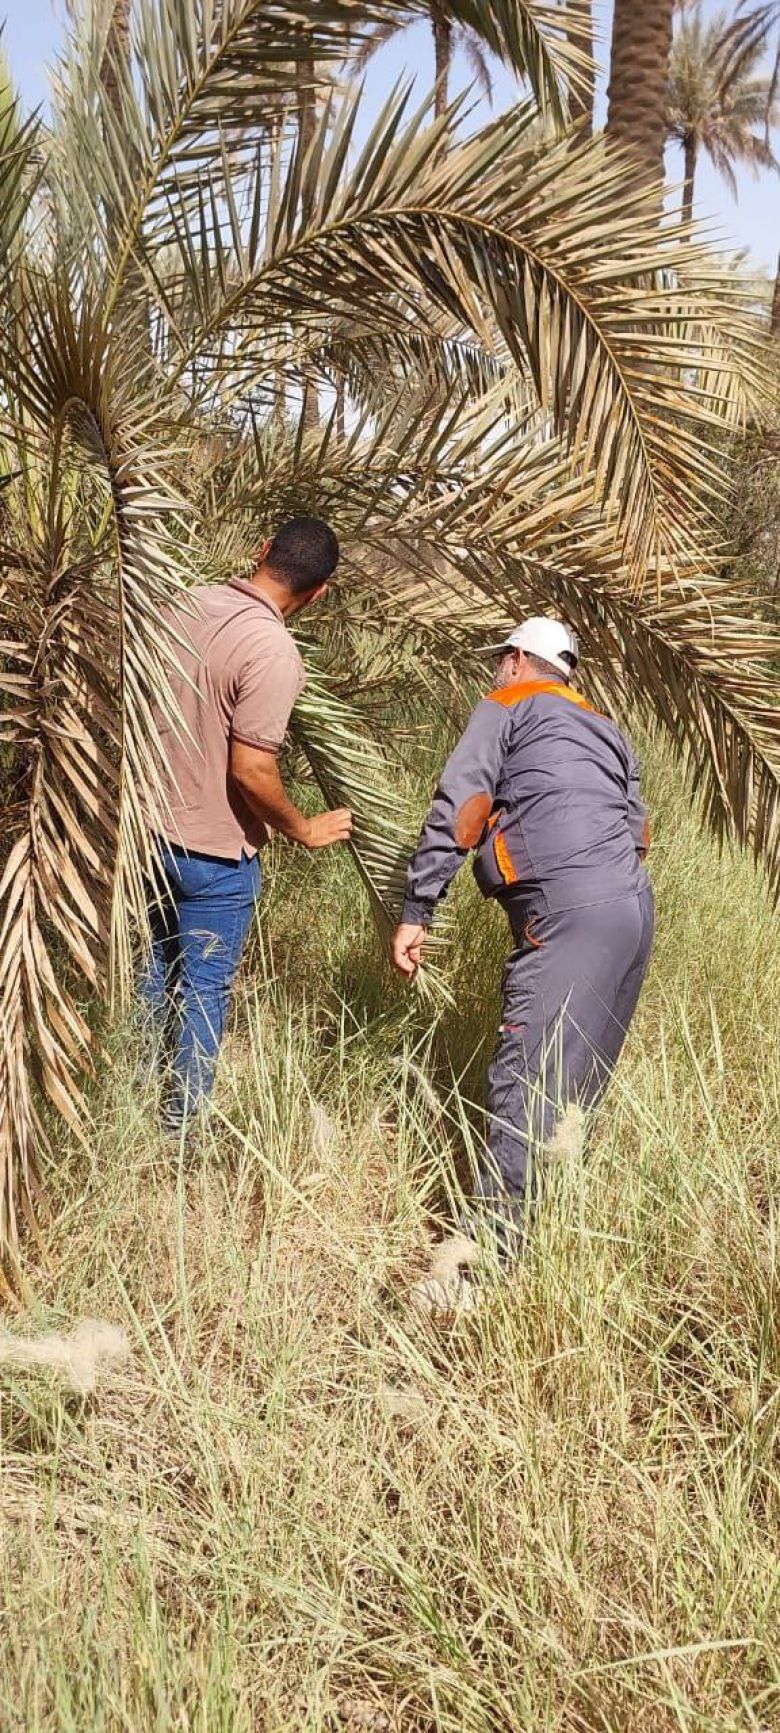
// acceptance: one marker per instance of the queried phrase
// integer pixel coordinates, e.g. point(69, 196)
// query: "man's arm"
point(459, 812)
point(255, 772)
point(638, 816)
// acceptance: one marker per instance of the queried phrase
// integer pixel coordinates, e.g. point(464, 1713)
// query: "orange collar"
point(510, 695)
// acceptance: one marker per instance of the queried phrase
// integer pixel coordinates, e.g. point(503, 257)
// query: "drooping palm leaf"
point(59, 840)
point(604, 319)
point(352, 769)
point(19, 168)
point(603, 332)
point(207, 78)
point(552, 57)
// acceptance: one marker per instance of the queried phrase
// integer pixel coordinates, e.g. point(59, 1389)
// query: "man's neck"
point(269, 586)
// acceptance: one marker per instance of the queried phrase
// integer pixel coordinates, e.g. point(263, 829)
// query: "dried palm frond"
point(604, 328)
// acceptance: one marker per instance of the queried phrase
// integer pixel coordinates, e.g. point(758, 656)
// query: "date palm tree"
point(551, 53)
point(717, 102)
point(583, 93)
point(639, 64)
point(448, 38)
point(542, 396)
point(757, 25)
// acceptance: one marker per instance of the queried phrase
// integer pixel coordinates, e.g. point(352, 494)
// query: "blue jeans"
point(199, 925)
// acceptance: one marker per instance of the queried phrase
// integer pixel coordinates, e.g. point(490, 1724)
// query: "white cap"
point(543, 637)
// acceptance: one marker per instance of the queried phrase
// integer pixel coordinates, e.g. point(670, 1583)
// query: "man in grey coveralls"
point(546, 790)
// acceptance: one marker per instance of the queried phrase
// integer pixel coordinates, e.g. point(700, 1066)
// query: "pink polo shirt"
point(240, 676)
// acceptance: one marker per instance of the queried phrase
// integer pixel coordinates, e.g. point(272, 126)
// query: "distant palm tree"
point(582, 97)
point(760, 24)
point(447, 37)
point(716, 102)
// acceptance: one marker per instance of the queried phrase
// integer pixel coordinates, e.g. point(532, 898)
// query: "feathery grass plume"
point(568, 1139)
point(78, 1357)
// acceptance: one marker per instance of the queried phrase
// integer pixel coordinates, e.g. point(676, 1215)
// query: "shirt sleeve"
point(269, 682)
point(638, 816)
point(459, 811)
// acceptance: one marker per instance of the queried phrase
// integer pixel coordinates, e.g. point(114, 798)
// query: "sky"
point(33, 29)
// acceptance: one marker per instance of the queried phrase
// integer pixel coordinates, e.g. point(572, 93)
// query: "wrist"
point(417, 913)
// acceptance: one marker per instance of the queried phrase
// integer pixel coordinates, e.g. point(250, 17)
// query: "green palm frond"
point(56, 727)
point(698, 657)
point(352, 769)
point(19, 168)
point(81, 408)
point(205, 78)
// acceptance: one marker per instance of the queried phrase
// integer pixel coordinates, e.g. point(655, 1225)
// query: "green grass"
point(569, 1520)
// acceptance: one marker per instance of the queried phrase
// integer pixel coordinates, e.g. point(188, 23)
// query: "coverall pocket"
point(486, 868)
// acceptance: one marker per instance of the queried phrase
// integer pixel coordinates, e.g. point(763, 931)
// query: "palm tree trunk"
point(774, 321)
point(308, 128)
point(115, 69)
point(582, 99)
point(116, 59)
point(690, 151)
point(641, 42)
point(442, 49)
point(341, 406)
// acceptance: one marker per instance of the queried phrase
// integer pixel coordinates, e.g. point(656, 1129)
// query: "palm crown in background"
point(541, 386)
point(717, 101)
point(448, 37)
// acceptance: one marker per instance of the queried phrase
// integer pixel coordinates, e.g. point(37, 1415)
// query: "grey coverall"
point(547, 791)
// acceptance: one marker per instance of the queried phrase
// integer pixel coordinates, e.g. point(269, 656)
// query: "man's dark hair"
point(547, 670)
point(304, 553)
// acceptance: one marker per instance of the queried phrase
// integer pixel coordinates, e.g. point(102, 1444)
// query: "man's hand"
point(408, 941)
point(329, 827)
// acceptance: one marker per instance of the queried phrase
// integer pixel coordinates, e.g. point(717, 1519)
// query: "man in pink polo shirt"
point(240, 675)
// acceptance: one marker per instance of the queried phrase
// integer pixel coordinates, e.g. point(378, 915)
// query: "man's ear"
point(263, 552)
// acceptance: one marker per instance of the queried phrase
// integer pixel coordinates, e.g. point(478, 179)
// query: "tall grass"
point(298, 1505)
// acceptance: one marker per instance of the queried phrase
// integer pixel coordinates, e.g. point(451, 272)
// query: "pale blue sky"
point(33, 29)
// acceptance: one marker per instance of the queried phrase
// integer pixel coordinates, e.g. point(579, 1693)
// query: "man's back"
point(547, 791)
point(240, 676)
point(570, 814)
